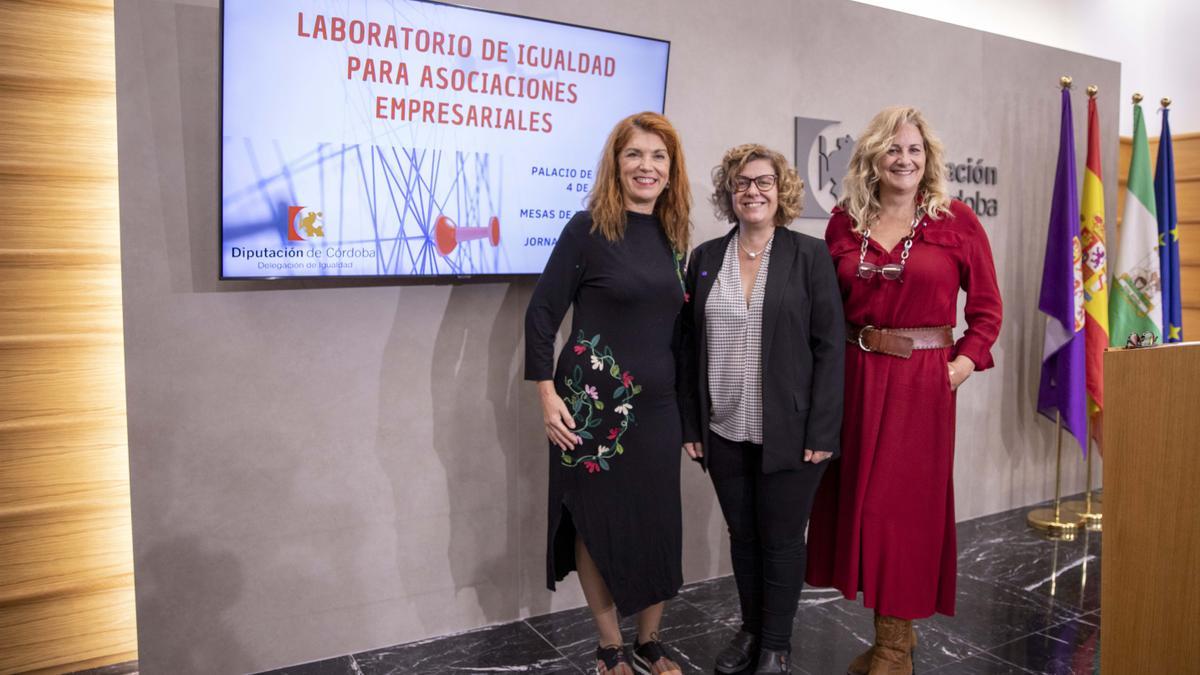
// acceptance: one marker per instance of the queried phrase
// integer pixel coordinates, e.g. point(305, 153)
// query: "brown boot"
point(861, 665)
point(893, 647)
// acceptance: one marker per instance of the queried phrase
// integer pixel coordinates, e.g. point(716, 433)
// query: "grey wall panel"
point(318, 470)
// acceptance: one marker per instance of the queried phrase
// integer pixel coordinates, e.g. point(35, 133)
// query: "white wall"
point(1154, 41)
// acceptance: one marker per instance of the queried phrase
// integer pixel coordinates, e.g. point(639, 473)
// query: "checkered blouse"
point(734, 341)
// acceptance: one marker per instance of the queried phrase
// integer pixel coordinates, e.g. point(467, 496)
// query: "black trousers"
point(767, 515)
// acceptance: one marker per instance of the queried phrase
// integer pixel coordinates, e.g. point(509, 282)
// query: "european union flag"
point(1168, 234)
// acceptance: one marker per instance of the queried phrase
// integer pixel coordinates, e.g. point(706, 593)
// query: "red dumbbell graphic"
point(448, 235)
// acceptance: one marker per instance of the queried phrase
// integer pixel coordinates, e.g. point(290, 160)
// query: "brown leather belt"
point(899, 341)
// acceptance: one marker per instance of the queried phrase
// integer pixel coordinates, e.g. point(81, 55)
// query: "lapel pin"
point(703, 273)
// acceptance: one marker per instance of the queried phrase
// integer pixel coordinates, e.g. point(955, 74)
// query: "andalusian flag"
point(1136, 304)
point(1095, 273)
point(1168, 234)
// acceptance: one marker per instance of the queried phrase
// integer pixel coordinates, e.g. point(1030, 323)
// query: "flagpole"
point(1087, 512)
point(1049, 520)
point(1064, 220)
point(1167, 216)
point(1092, 514)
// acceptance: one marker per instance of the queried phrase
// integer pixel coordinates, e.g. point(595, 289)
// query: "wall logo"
point(305, 223)
point(822, 192)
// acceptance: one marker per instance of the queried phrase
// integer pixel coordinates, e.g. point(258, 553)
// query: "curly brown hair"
point(788, 182)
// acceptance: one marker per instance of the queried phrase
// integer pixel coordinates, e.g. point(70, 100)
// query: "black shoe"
point(738, 653)
point(773, 661)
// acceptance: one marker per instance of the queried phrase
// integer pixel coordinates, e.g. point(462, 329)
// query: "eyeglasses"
point(890, 271)
point(764, 182)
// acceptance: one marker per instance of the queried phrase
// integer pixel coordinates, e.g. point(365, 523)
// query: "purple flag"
point(1064, 387)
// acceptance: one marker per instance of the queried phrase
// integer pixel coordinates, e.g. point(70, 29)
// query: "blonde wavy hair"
point(606, 201)
point(861, 200)
point(787, 182)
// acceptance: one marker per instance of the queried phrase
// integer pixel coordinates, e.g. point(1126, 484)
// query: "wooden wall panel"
point(58, 292)
point(49, 377)
point(66, 562)
point(34, 456)
point(1189, 243)
point(102, 629)
point(26, 201)
point(1191, 322)
point(1189, 283)
point(1187, 199)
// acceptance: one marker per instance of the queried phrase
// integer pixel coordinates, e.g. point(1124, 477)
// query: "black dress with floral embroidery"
point(619, 488)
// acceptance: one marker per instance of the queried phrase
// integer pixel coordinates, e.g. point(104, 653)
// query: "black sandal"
point(650, 658)
point(610, 659)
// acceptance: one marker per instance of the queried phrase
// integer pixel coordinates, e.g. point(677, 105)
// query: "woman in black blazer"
point(761, 388)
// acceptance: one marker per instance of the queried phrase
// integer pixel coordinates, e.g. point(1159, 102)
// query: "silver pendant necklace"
point(752, 254)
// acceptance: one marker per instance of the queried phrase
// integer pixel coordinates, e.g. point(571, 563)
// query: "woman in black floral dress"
point(609, 406)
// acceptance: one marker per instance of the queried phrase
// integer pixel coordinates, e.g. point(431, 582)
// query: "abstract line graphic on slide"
point(353, 210)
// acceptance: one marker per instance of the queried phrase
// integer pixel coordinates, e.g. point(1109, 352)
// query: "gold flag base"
point(1050, 519)
point(1086, 511)
point(1090, 516)
point(1052, 523)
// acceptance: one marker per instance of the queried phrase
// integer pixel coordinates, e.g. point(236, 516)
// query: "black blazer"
point(803, 349)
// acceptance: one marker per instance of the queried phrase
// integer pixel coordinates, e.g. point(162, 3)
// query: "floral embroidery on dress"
point(584, 402)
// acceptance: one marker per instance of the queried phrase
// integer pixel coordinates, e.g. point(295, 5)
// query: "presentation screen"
point(393, 138)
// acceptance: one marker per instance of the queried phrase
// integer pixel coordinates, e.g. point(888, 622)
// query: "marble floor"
point(1025, 605)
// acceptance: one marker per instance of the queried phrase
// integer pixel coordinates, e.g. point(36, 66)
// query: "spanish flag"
point(1095, 272)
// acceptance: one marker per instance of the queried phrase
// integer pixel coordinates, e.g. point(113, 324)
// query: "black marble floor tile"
point(511, 648)
point(982, 664)
point(717, 598)
point(1070, 648)
point(828, 635)
point(989, 614)
point(1073, 582)
point(342, 665)
point(1066, 572)
point(698, 653)
point(987, 527)
point(1003, 549)
point(573, 633)
point(1026, 605)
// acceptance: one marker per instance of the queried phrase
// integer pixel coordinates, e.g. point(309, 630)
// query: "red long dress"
point(883, 521)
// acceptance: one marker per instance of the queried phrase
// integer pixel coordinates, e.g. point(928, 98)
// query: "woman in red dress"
point(883, 521)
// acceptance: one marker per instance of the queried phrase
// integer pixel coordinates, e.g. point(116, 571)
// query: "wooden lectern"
point(1150, 592)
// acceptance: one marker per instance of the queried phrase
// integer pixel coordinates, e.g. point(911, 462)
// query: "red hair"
point(606, 201)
